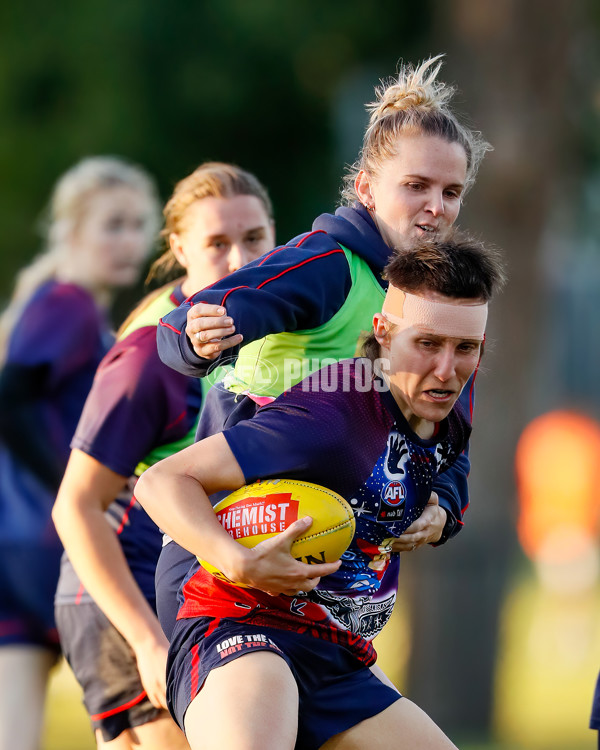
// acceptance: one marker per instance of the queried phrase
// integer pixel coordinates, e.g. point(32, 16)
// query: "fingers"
point(210, 330)
point(204, 310)
point(296, 529)
point(158, 700)
point(433, 499)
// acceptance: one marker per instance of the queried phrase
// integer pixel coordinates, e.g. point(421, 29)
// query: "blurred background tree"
point(279, 88)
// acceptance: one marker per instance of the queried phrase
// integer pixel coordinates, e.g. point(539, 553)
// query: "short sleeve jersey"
point(61, 335)
point(340, 428)
point(136, 404)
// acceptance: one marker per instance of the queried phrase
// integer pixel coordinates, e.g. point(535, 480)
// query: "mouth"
point(439, 395)
point(426, 228)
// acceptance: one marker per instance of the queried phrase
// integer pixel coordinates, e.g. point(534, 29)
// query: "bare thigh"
point(250, 703)
point(403, 726)
point(161, 733)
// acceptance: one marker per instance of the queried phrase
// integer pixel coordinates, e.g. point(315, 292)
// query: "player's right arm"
point(186, 479)
point(293, 288)
point(87, 489)
point(132, 399)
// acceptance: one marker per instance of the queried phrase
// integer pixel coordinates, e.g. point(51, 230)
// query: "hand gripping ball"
point(265, 508)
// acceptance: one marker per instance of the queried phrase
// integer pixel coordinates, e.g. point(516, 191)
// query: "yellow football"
point(265, 508)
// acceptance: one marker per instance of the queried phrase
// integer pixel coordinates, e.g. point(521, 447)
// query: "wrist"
point(448, 529)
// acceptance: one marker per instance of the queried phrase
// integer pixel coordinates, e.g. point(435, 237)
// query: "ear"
point(362, 186)
point(380, 330)
point(177, 249)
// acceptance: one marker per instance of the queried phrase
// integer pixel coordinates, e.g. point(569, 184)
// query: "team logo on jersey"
point(391, 507)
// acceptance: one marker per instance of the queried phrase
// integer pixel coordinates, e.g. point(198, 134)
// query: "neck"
point(101, 294)
point(424, 428)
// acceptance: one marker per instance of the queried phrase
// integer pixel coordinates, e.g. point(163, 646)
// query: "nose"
point(136, 242)
point(237, 258)
point(445, 364)
point(435, 203)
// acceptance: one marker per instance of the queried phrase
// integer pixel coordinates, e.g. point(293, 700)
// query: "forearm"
point(453, 493)
point(179, 505)
point(98, 560)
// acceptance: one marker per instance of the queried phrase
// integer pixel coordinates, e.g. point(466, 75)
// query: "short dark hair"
point(457, 266)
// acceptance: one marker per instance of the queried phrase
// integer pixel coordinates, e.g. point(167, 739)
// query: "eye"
point(469, 347)
point(452, 193)
point(221, 246)
point(416, 186)
point(115, 224)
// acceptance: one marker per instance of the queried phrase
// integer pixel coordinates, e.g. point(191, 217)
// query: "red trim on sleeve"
point(298, 265)
point(283, 247)
point(168, 325)
point(111, 712)
point(177, 420)
point(235, 288)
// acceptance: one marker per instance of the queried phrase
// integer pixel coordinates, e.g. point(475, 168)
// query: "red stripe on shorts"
point(118, 709)
point(194, 676)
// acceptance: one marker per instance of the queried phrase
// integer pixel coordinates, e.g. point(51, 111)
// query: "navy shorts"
point(173, 565)
point(336, 690)
point(28, 578)
point(105, 667)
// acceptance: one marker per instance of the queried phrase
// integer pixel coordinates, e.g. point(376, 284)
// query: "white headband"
point(438, 318)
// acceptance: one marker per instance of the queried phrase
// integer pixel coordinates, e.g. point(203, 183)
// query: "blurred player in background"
point(102, 224)
point(139, 411)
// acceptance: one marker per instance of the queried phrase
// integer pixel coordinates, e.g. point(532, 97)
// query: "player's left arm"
point(442, 517)
point(452, 485)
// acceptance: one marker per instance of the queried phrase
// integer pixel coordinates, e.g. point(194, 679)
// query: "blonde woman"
point(102, 223)
point(139, 410)
point(311, 300)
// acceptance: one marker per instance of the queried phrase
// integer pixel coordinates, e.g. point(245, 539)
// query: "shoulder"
point(458, 428)
point(310, 248)
point(65, 295)
point(343, 393)
point(135, 359)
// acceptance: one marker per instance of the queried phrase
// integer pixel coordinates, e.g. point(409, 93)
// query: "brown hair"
point(459, 266)
point(414, 101)
point(209, 180)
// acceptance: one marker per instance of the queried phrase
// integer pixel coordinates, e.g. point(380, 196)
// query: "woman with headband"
point(312, 299)
point(304, 674)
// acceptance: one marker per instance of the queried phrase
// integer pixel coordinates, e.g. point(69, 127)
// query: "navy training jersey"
point(355, 441)
point(54, 351)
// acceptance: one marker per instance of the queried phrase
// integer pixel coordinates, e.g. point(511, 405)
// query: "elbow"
point(60, 515)
point(145, 489)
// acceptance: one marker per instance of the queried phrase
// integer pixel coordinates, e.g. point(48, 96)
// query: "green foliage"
point(171, 84)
